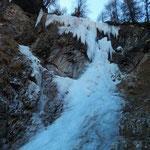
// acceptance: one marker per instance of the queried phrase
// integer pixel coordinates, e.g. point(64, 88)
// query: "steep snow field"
point(93, 105)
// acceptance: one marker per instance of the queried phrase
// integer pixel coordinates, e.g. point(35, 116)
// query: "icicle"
point(84, 29)
point(39, 17)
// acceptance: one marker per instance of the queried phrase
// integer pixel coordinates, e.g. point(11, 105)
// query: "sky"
point(94, 6)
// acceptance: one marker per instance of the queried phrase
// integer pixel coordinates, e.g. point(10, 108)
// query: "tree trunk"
point(147, 10)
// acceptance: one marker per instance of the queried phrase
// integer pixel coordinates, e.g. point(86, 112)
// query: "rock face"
point(133, 53)
point(131, 46)
point(16, 23)
point(135, 123)
point(3, 5)
point(16, 106)
point(53, 105)
point(63, 54)
point(30, 6)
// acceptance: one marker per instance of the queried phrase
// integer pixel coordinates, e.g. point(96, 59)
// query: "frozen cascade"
point(37, 70)
point(90, 120)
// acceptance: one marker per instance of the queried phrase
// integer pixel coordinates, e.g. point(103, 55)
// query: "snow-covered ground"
point(90, 120)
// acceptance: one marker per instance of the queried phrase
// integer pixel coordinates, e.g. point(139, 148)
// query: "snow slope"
point(93, 106)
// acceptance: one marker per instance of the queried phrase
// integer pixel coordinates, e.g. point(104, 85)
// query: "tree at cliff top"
point(81, 9)
point(110, 13)
point(131, 11)
point(147, 10)
point(119, 11)
point(58, 10)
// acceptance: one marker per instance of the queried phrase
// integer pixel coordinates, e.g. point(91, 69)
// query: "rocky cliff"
point(133, 58)
point(29, 96)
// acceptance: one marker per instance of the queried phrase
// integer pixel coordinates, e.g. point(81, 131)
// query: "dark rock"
point(30, 6)
point(133, 60)
point(14, 84)
point(134, 41)
point(135, 123)
point(65, 53)
point(18, 25)
point(3, 5)
point(53, 105)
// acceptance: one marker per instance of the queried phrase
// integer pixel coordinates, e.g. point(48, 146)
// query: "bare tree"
point(81, 9)
point(49, 2)
point(111, 12)
point(58, 10)
point(131, 11)
point(147, 10)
